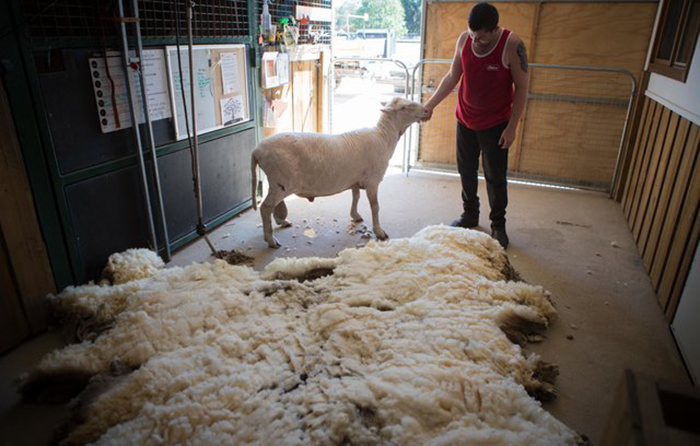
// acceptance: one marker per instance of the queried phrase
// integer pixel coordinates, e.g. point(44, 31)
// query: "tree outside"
point(385, 14)
point(412, 11)
point(401, 16)
point(342, 13)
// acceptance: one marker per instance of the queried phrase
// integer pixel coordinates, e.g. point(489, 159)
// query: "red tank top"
point(486, 90)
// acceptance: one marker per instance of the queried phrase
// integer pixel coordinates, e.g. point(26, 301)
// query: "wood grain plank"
point(633, 126)
point(669, 231)
point(643, 132)
point(644, 163)
point(569, 34)
point(683, 232)
point(661, 176)
point(24, 242)
point(682, 277)
point(559, 141)
point(674, 165)
point(654, 160)
point(516, 150)
point(14, 326)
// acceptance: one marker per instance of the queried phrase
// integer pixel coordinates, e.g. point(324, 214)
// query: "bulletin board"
point(221, 80)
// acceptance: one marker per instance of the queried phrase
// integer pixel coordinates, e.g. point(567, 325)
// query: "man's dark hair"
point(483, 16)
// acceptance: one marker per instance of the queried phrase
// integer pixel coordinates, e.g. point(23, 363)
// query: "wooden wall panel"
point(679, 143)
point(643, 162)
point(303, 103)
point(19, 226)
point(571, 140)
point(445, 22)
point(438, 136)
point(588, 34)
point(659, 177)
point(13, 323)
point(680, 185)
point(305, 96)
point(662, 199)
point(643, 131)
point(651, 160)
point(595, 34)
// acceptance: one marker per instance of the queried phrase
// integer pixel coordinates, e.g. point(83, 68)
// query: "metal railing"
point(367, 60)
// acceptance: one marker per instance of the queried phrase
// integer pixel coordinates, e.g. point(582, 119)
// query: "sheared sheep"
point(314, 165)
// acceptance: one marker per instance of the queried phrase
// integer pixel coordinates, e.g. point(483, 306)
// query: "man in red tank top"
point(490, 66)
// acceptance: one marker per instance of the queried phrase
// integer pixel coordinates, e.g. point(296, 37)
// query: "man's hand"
point(507, 137)
point(428, 116)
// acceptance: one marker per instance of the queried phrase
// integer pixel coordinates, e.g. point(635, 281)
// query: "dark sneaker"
point(500, 235)
point(466, 222)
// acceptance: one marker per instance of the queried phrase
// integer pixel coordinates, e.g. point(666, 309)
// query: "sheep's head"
point(407, 111)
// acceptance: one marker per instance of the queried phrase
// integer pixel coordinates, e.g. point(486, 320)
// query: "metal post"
point(398, 63)
point(149, 131)
point(418, 66)
point(616, 172)
point(201, 229)
point(135, 125)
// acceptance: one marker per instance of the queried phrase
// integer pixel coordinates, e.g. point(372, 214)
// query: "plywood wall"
point(305, 96)
point(662, 199)
point(573, 139)
point(25, 272)
point(300, 98)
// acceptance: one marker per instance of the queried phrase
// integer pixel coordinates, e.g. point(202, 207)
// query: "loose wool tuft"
point(132, 264)
point(401, 344)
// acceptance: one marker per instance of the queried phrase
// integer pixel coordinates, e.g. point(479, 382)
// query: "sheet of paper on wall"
point(204, 94)
point(229, 72)
point(155, 73)
point(283, 68)
point(269, 115)
point(269, 70)
point(113, 110)
point(232, 110)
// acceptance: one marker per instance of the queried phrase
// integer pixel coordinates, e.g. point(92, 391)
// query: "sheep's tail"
point(254, 185)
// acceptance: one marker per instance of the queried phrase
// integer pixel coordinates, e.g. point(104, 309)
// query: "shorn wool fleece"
point(406, 342)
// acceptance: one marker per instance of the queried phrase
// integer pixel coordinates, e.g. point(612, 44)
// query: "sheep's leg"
point(353, 209)
point(280, 213)
point(374, 204)
point(274, 196)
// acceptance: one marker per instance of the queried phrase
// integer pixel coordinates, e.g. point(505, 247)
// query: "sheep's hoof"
point(381, 235)
point(273, 243)
point(285, 224)
point(357, 218)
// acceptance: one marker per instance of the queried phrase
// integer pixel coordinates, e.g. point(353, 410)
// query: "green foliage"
point(341, 15)
point(412, 10)
point(384, 14)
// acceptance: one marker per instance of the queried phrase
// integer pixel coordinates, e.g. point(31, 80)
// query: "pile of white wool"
point(403, 344)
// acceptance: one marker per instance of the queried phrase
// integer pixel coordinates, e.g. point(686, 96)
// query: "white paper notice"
point(113, 109)
point(203, 86)
point(156, 84)
point(232, 110)
point(269, 70)
point(229, 72)
point(283, 68)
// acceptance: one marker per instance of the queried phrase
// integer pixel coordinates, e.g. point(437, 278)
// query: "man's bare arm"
point(517, 55)
point(451, 79)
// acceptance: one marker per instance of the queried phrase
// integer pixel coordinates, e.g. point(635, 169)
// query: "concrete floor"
point(560, 239)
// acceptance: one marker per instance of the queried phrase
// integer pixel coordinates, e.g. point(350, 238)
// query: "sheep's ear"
point(383, 103)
